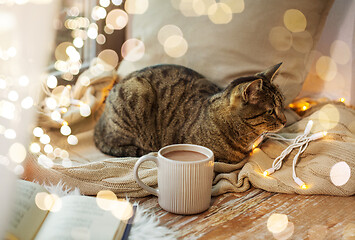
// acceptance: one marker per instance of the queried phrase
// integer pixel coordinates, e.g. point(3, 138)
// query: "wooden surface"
point(245, 216)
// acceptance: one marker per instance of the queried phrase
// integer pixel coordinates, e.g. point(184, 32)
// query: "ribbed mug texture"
point(184, 187)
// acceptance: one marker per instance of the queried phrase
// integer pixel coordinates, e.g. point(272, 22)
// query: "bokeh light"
point(294, 20)
point(78, 42)
point(340, 173)
point(85, 110)
point(27, 103)
point(220, 13)
point(237, 6)
point(175, 46)
point(100, 39)
point(64, 154)
point(340, 52)
point(51, 103)
point(38, 132)
point(10, 133)
point(286, 233)
point(277, 223)
point(13, 95)
point(116, 19)
point(280, 38)
point(116, 2)
point(132, 49)
point(17, 152)
point(98, 13)
point(136, 6)
point(19, 169)
point(104, 3)
point(44, 139)
point(106, 199)
point(35, 148)
point(110, 58)
point(57, 152)
point(40, 201)
point(72, 140)
point(190, 8)
point(84, 80)
point(45, 161)
point(60, 52)
point(122, 209)
point(328, 117)
point(52, 81)
point(48, 148)
point(7, 109)
point(167, 31)
point(48, 202)
point(199, 7)
point(326, 68)
point(108, 29)
point(55, 116)
point(65, 130)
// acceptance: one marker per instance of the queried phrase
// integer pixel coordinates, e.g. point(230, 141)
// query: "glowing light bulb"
point(304, 108)
point(78, 42)
point(65, 130)
point(45, 139)
point(51, 103)
point(27, 103)
point(10, 134)
point(48, 148)
point(38, 132)
point(85, 110)
point(13, 96)
point(52, 81)
point(269, 171)
point(65, 123)
point(304, 186)
point(55, 116)
point(72, 140)
point(342, 99)
point(35, 148)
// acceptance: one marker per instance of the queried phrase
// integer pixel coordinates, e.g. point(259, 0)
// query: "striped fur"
point(169, 104)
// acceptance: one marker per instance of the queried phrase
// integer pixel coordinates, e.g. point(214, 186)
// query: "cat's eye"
point(270, 111)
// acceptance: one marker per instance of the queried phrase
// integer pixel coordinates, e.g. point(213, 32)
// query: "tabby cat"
point(169, 104)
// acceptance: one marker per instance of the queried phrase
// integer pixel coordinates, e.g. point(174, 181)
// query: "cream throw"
point(92, 171)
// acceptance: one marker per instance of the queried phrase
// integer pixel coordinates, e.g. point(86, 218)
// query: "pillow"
point(222, 45)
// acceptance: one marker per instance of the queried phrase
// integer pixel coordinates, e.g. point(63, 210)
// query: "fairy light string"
point(300, 142)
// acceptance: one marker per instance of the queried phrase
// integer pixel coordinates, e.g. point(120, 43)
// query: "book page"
point(79, 218)
point(26, 217)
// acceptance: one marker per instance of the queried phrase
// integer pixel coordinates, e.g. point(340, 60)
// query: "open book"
point(68, 217)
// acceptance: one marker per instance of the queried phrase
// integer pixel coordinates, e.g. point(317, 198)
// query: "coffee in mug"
point(184, 155)
point(185, 174)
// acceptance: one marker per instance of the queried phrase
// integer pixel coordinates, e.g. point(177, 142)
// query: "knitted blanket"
point(91, 171)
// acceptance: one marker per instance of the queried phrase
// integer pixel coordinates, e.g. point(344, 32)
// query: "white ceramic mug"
point(184, 187)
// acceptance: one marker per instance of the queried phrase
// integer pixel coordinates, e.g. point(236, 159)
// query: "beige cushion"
point(253, 40)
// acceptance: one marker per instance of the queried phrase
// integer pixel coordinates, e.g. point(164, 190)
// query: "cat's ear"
point(271, 72)
point(251, 90)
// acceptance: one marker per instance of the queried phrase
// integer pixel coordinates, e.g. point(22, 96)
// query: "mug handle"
point(138, 180)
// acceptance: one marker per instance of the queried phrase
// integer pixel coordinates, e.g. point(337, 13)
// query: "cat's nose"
point(283, 119)
point(281, 116)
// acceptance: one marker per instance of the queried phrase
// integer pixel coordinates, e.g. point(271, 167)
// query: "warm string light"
point(301, 142)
